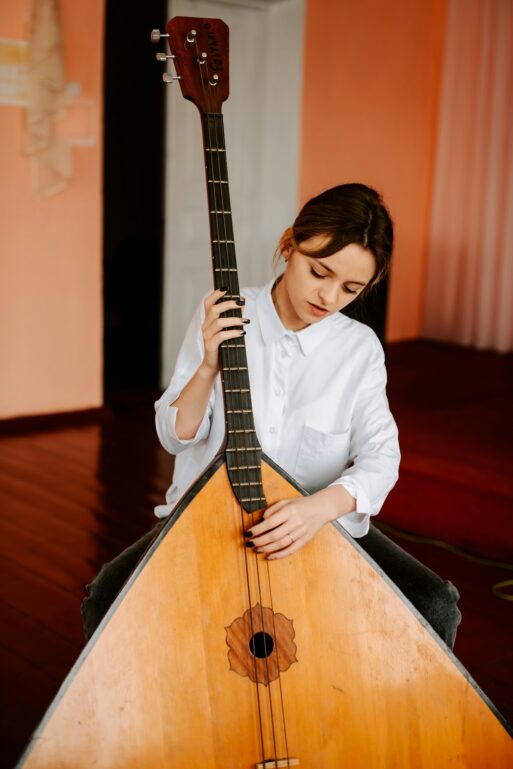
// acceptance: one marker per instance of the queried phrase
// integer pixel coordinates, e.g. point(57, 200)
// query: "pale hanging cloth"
point(47, 100)
point(469, 296)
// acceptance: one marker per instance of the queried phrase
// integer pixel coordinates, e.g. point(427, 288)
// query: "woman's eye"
point(318, 275)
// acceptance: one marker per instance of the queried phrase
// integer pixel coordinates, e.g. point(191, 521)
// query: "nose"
point(327, 295)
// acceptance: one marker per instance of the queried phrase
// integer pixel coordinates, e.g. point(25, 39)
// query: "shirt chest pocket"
point(322, 457)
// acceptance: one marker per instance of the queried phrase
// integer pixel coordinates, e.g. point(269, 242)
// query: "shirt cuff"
point(200, 432)
point(356, 523)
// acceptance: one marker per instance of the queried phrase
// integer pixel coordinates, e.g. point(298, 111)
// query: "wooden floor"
point(71, 498)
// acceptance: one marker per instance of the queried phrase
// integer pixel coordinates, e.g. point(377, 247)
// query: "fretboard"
point(243, 452)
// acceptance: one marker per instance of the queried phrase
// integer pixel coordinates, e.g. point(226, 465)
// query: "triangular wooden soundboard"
point(367, 685)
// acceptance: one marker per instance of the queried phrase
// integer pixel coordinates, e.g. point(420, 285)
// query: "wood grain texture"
point(371, 688)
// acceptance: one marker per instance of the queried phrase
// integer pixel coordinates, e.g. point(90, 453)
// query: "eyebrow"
point(358, 283)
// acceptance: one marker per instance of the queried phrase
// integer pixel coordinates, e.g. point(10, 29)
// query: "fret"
point(233, 346)
point(220, 212)
point(245, 435)
point(253, 499)
point(217, 181)
point(245, 448)
point(246, 483)
point(245, 467)
point(223, 241)
point(239, 411)
point(235, 368)
point(236, 390)
point(215, 149)
point(225, 269)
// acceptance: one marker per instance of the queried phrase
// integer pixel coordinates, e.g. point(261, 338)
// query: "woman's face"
point(311, 289)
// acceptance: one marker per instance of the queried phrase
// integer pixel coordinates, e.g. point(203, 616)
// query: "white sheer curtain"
point(469, 291)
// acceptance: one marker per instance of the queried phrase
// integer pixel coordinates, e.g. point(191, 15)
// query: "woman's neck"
point(284, 308)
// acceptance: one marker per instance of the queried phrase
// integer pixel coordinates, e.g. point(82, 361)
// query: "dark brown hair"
point(348, 213)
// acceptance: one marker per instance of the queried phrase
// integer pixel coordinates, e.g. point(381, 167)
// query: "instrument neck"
point(242, 449)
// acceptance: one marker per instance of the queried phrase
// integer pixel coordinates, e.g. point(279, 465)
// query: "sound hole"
point(261, 645)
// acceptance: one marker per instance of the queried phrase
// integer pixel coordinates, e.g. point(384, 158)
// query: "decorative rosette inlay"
point(261, 644)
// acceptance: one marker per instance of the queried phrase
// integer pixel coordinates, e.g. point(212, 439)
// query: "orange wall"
point(370, 106)
point(371, 87)
point(51, 250)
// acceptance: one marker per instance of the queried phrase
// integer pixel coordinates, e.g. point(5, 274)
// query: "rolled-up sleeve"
point(188, 361)
point(374, 448)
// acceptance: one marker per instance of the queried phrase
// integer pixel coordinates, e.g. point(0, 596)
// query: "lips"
point(316, 308)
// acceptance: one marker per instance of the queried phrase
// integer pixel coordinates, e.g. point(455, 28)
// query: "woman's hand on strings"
point(290, 523)
point(216, 329)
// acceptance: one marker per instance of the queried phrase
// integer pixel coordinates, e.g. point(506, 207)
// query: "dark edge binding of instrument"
point(183, 503)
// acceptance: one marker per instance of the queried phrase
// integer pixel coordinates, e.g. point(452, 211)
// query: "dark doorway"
point(133, 196)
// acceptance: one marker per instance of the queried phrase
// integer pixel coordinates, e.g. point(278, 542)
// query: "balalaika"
point(213, 658)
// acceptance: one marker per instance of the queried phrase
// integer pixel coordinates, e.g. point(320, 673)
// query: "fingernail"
point(248, 533)
point(249, 544)
point(242, 333)
point(246, 320)
point(240, 301)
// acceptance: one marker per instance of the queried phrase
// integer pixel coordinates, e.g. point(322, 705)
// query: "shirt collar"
point(272, 329)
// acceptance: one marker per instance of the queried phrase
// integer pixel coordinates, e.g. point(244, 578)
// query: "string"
point(239, 420)
point(267, 562)
point(217, 185)
point(238, 400)
point(265, 649)
point(214, 150)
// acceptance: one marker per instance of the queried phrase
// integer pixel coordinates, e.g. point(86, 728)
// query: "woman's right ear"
point(286, 243)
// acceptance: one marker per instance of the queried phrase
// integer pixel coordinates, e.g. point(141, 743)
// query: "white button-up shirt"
point(319, 404)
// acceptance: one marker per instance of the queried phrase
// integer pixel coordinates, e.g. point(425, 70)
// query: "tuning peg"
point(156, 35)
point(164, 56)
point(167, 78)
point(191, 36)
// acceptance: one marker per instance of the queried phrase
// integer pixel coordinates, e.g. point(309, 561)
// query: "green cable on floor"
point(496, 588)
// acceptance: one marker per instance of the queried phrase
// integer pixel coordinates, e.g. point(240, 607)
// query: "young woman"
point(318, 389)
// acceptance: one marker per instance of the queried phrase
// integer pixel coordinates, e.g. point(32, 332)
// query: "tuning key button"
point(167, 78)
point(156, 35)
point(164, 56)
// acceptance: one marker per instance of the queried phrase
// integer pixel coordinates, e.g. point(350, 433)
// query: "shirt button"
point(272, 429)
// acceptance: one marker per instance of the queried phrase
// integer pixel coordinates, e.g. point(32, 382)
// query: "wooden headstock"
point(200, 50)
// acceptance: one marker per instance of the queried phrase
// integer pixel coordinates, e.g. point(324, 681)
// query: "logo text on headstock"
point(214, 50)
